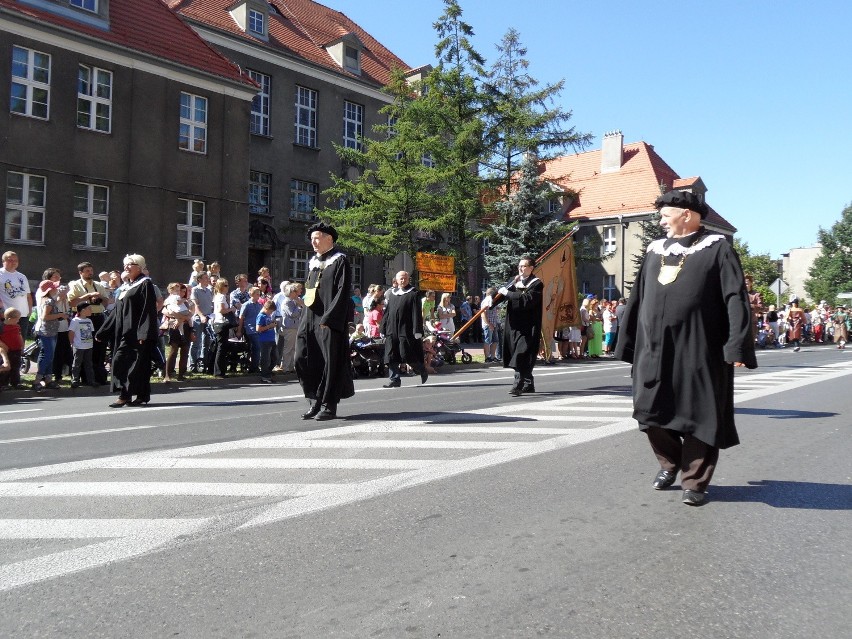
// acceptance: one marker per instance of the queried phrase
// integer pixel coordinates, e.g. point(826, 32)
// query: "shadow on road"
point(788, 494)
point(784, 413)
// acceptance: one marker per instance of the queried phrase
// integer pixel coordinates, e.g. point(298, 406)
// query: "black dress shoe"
point(138, 402)
point(527, 389)
point(327, 412)
point(424, 376)
point(396, 384)
point(693, 498)
point(515, 391)
point(664, 479)
point(312, 411)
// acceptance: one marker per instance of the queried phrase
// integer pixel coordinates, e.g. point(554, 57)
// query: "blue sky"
point(753, 96)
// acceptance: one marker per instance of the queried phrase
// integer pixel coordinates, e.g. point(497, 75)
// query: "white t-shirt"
point(219, 300)
point(83, 330)
point(14, 288)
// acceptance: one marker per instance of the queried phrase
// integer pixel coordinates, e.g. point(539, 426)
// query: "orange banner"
point(557, 271)
point(432, 263)
point(437, 282)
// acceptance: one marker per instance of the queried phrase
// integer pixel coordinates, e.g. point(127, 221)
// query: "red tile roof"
point(631, 189)
point(300, 28)
point(147, 26)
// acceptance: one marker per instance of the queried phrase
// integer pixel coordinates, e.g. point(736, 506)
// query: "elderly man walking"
point(402, 325)
point(686, 326)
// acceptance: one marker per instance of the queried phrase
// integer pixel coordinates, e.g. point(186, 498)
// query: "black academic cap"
point(682, 200)
point(328, 229)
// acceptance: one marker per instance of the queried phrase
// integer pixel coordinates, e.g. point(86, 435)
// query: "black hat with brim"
point(322, 227)
point(682, 200)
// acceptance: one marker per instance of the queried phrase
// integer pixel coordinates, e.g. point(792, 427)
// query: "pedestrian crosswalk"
point(90, 513)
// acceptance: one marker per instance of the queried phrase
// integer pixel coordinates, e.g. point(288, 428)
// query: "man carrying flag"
point(522, 329)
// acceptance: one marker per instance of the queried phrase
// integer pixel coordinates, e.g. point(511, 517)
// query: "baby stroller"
point(447, 348)
point(367, 356)
point(29, 356)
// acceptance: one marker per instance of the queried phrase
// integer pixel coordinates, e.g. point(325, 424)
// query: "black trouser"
point(63, 355)
point(393, 367)
point(98, 351)
point(220, 359)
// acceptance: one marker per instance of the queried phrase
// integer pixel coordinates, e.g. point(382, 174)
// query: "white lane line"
point(21, 410)
point(154, 489)
point(88, 528)
point(349, 493)
point(485, 430)
point(235, 463)
point(36, 438)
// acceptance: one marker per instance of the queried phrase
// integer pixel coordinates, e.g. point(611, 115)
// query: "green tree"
point(393, 193)
point(761, 267)
point(831, 272)
point(520, 118)
point(532, 230)
point(649, 230)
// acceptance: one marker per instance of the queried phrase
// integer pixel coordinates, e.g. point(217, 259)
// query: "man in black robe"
point(401, 326)
point(687, 324)
point(522, 328)
point(322, 342)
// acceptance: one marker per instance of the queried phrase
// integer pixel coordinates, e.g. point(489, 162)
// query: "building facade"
point(116, 141)
point(610, 193)
point(321, 78)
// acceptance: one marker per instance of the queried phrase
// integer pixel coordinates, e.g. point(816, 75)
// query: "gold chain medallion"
point(669, 272)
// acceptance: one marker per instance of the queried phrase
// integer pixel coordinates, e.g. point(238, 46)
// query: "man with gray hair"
point(289, 310)
point(402, 325)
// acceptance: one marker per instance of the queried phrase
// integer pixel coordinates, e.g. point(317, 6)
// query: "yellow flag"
point(556, 269)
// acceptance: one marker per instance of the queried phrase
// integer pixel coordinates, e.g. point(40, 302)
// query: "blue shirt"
point(264, 320)
point(249, 312)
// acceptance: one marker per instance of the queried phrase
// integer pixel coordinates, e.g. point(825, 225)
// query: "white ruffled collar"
point(676, 248)
point(127, 287)
point(401, 291)
point(322, 261)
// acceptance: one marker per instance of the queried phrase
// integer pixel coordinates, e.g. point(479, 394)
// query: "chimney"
point(612, 151)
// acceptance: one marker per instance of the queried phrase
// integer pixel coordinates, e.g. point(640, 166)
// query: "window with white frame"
point(256, 22)
point(25, 200)
point(94, 99)
point(88, 5)
point(259, 185)
point(609, 243)
point(299, 259)
point(357, 262)
point(91, 214)
point(190, 229)
point(30, 93)
point(609, 289)
point(353, 124)
point(303, 199)
point(306, 117)
point(193, 123)
point(260, 104)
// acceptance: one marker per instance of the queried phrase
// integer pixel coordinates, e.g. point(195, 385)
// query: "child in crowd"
point(430, 353)
point(248, 321)
point(197, 269)
point(13, 341)
point(265, 335)
point(81, 333)
point(356, 332)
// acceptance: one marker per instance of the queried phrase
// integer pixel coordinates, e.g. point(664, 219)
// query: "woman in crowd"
point(596, 329)
point(375, 314)
point(266, 292)
point(46, 329)
point(610, 326)
point(446, 311)
point(178, 310)
point(796, 323)
point(222, 324)
point(132, 327)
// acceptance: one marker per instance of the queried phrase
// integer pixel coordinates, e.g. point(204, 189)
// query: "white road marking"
point(132, 538)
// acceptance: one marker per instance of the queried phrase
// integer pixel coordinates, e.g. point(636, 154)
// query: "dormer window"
point(252, 17)
point(346, 51)
point(256, 22)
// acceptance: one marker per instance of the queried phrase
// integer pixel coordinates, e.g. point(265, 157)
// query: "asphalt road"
point(443, 510)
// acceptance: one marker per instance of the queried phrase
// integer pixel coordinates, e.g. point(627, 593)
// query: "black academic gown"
point(683, 338)
point(322, 341)
point(522, 328)
point(402, 319)
point(133, 319)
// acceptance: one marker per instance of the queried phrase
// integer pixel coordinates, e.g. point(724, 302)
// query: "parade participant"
point(796, 323)
point(841, 326)
point(401, 326)
point(132, 328)
point(322, 342)
point(687, 324)
point(522, 327)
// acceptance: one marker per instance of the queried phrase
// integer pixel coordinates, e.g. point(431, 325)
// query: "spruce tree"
point(533, 229)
